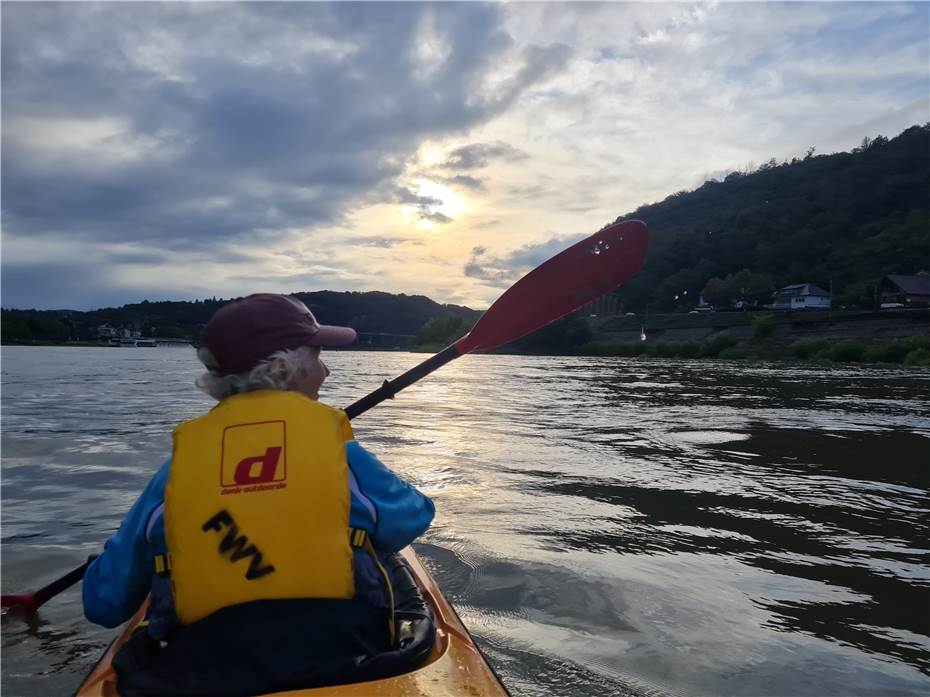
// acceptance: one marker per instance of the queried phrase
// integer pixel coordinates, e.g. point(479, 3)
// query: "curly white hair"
point(277, 372)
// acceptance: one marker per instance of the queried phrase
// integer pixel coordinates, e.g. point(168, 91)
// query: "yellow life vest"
point(257, 504)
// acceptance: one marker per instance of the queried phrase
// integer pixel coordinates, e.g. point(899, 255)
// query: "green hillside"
point(372, 312)
point(847, 218)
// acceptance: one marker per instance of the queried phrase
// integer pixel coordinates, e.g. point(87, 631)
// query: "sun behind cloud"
point(446, 206)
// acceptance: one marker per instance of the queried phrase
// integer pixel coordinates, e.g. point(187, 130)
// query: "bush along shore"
point(912, 351)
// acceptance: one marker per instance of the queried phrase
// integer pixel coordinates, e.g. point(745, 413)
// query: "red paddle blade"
point(21, 602)
point(570, 279)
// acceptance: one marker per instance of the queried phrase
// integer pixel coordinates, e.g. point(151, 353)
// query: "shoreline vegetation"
point(879, 337)
point(900, 337)
point(913, 351)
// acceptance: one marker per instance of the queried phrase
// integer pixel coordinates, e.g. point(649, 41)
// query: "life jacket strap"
point(162, 564)
point(358, 537)
point(389, 587)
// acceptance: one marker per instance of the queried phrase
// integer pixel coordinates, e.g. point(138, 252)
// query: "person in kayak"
point(262, 541)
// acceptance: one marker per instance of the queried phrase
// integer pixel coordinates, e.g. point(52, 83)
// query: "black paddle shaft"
point(392, 387)
point(63, 583)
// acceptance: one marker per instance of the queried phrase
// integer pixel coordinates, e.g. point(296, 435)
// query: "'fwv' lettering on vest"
point(238, 545)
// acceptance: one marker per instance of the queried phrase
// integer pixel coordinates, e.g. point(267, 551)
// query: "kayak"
point(454, 665)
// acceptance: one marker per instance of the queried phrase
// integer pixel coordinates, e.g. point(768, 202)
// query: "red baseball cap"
point(245, 331)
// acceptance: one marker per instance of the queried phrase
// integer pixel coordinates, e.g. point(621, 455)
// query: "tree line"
point(374, 312)
point(848, 218)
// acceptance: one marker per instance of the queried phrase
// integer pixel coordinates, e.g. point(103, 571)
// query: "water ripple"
point(604, 526)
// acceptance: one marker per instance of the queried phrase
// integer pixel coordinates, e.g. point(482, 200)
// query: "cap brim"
point(333, 336)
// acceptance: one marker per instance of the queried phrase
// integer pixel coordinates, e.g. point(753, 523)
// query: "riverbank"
point(913, 351)
point(863, 325)
point(54, 343)
point(839, 336)
point(97, 344)
point(850, 336)
point(891, 337)
point(174, 343)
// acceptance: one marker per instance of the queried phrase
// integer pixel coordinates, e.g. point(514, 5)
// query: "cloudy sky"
point(181, 151)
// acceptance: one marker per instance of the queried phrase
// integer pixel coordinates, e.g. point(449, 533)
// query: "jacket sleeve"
point(400, 512)
point(117, 581)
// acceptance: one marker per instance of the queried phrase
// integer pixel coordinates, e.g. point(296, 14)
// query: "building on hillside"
point(801, 296)
point(107, 331)
point(904, 291)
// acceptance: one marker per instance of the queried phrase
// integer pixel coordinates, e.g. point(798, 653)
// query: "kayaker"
point(262, 539)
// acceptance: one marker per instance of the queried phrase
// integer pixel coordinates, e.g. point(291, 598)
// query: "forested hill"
point(849, 218)
point(844, 220)
point(374, 312)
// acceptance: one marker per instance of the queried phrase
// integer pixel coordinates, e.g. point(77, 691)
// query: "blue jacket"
point(392, 511)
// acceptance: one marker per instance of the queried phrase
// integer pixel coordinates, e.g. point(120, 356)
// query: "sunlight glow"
point(450, 205)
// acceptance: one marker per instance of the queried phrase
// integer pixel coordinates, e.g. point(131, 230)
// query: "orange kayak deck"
point(454, 668)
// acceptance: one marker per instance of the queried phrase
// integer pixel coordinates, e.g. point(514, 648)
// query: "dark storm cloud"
point(187, 126)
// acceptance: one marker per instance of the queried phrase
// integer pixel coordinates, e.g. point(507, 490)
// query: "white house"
point(105, 331)
point(801, 296)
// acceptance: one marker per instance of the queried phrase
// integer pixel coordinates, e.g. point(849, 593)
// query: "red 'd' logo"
point(253, 454)
point(268, 464)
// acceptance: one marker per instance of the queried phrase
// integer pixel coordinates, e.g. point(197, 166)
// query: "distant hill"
point(841, 221)
point(373, 312)
point(847, 218)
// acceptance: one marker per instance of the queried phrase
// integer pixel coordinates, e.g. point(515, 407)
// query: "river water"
point(604, 526)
